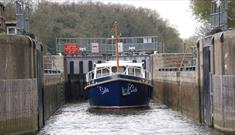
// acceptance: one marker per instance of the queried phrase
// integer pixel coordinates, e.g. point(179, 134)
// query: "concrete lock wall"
point(223, 81)
point(177, 89)
point(53, 93)
point(54, 84)
point(18, 106)
point(18, 86)
point(216, 78)
point(16, 60)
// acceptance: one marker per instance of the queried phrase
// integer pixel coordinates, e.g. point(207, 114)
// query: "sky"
point(177, 12)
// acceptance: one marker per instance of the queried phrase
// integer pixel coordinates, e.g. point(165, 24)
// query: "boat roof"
point(121, 63)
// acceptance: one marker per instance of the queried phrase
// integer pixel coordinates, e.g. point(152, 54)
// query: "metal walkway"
point(130, 45)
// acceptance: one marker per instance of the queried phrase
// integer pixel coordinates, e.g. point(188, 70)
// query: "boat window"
point(131, 71)
point(105, 72)
point(98, 73)
point(102, 72)
point(122, 69)
point(114, 69)
point(138, 72)
point(135, 71)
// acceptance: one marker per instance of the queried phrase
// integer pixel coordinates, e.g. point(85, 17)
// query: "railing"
point(89, 76)
point(106, 45)
point(104, 72)
point(135, 71)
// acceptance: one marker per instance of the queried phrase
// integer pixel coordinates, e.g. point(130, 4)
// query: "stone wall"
point(18, 106)
point(224, 102)
point(176, 89)
point(179, 91)
point(54, 93)
point(19, 85)
point(216, 79)
point(16, 57)
point(223, 81)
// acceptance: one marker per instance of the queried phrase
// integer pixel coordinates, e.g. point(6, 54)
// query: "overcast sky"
point(177, 12)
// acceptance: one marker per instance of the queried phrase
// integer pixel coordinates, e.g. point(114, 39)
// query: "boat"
point(118, 84)
point(127, 88)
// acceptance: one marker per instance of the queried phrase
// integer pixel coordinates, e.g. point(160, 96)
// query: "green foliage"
point(202, 10)
point(189, 43)
point(231, 14)
point(51, 20)
point(10, 10)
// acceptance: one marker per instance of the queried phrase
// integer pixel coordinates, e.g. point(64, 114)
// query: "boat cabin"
point(110, 68)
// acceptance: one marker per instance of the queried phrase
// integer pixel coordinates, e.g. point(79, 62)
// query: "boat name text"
point(131, 88)
point(103, 90)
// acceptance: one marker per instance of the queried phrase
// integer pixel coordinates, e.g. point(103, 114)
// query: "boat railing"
point(89, 76)
point(131, 71)
point(102, 72)
point(135, 71)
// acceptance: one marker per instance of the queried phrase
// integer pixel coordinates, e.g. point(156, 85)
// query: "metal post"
point(19, 17)
point(116, 43)
point(219, 13)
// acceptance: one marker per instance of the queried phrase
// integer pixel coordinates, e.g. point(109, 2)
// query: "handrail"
point(91, 74)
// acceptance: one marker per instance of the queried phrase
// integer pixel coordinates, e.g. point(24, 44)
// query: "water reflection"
point(157, 119)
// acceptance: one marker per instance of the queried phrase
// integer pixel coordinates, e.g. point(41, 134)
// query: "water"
point(78, 119)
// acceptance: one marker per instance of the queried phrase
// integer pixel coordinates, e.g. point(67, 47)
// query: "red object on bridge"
point(71, 48)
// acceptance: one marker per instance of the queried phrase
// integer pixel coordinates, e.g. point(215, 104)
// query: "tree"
point(96, 20)
point(10, 10)
point(189, 43)
point(202, 10)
